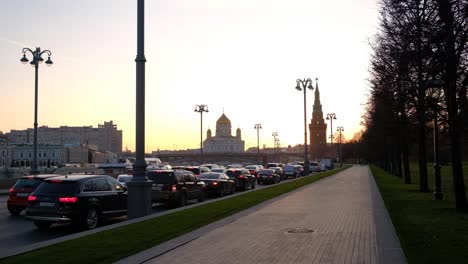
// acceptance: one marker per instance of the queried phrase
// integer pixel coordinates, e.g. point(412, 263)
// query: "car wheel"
point(14, 211)
point(253, 185)
point(221, 191)
point(201, 197)
point(91, 219)
point(42, 225)
point(182, 200)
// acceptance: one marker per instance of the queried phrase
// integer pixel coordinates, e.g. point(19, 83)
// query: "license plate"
point(264, 177)
point(47, 204)
point(157, 188)
point(22, 194)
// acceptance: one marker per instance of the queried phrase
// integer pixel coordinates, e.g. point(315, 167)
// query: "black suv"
point(244, 180)
point(175, 187)
point(82, 200)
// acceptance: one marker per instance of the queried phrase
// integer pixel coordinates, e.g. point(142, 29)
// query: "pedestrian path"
point(340, 219)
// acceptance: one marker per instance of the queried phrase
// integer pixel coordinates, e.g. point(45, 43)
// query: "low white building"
point(5, 159)
point(22, 155)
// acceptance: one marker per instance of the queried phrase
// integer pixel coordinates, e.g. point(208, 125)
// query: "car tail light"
point(11, 191)
point(174, 188)
point(214, 183)
point(32, 198)
point(241, 177)
point(270, 176)
point(68, 199)
point(56, 181)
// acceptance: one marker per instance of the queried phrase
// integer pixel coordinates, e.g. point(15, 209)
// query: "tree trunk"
point(450, 89)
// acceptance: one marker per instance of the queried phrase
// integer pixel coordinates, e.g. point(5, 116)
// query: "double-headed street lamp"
point(200, 109)
point(331, 116)
point(340, 129)
point(36, 60)
point(433, 92)
point(258, 127)
point(275, 143)
point(301, 86)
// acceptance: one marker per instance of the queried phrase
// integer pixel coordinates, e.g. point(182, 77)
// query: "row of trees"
point(418, 69)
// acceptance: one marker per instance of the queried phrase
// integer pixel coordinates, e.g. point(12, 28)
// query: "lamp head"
point(298, 87)
point(24, 60)
point(49, 62)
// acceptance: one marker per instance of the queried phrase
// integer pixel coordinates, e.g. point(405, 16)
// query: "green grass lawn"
point(112, 245)
point(430, 231)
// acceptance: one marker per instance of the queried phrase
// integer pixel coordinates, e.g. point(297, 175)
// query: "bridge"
point(229, 158)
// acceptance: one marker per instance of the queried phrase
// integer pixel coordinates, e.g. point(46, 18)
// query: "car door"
point(100, 192)
point(121, 192)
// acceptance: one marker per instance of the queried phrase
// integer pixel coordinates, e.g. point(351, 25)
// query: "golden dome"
point(223, 120)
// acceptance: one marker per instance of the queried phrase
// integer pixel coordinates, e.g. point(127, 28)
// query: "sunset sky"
point(242, 56)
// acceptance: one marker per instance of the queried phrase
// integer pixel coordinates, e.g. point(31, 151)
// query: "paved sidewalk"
point(340, 219)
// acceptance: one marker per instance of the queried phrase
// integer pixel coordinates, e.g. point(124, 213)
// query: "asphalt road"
point(16, 231)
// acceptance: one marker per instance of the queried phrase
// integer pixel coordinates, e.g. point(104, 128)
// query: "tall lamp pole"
point(331, 116)
point(340, 129)
point(36, 60)
point(139, 188)
point(258, 127)
point(275, 135)
point(200, 109)
point(434, 92)
point(303, 85)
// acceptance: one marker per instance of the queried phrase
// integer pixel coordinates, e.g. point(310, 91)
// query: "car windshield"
point(217, 170)
point(266, 172)
point(194, 170)
point(233, 173)
point(251, 167)
point(31, 183)
point(161, 177)
point(57, 187)
point(209, 177)
point(124, 178)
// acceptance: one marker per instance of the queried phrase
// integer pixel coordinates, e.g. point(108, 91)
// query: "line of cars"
point(84, 200)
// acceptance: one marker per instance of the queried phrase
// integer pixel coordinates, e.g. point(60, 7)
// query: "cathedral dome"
point(223, 120)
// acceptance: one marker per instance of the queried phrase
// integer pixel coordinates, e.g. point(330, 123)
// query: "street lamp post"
point(434, 93)
point(340, 129)
point(200, 109)
point(258, 127)
point(139, 188)
point(331, 116)
point(275, 136)
point(303, 85)
point(36, 60)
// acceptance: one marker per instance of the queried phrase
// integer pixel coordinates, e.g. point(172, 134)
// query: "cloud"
point(14, 42)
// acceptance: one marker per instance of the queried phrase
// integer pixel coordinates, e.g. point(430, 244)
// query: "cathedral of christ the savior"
point(223, 141)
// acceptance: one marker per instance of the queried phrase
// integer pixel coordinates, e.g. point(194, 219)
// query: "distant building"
point(5, 157)
point(106, 137)
point(223, 141)
point(317, 129)
point(21, 155)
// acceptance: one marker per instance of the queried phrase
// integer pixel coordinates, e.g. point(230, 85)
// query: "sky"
point(241, 57)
